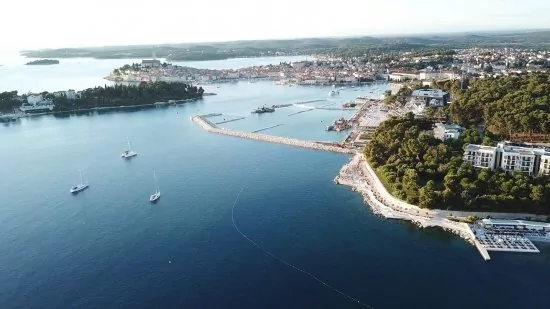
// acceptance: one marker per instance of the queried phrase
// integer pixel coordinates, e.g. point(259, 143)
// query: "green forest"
point(8, 101)
point(122, 95)
point(422, 170)
point(503, 105)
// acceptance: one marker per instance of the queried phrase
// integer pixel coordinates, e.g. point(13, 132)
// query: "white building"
point(399, 77)
point(545, 164)
point(522, 225)
point(432, 97)
point(71, 94)
point(447, 131)
point(518, 159)
point(509, 158)
point(34, 99)
point(480, 156)
point(436, 75)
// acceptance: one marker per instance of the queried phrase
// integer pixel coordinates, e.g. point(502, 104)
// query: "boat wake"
point(323, 283)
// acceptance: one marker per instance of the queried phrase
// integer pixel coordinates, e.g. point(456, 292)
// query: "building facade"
point(509, 158)
point(480, 156)
point(432, 97)
point(34, 99)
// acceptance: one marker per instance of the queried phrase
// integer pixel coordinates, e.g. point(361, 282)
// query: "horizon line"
point(387, 35)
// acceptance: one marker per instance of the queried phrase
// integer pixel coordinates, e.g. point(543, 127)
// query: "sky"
point(35, 24)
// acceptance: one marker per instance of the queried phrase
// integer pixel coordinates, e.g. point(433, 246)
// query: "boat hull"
point(154, 197)
point(128, 155)
point(76, 189)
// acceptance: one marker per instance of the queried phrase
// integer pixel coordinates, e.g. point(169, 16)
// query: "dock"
point(211, 127)
point(267, 128)
point(211, 115)
point(230, 120)
point(296, 113)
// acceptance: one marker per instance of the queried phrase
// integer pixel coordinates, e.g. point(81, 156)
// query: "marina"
point(210, 127)
point(267, 128)
point(230, 120)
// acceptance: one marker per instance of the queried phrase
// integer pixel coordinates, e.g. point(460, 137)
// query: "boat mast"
point(156, 180)
point(81, 179)
point(129, 146)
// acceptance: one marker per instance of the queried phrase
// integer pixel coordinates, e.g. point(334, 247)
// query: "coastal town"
point(329, 69)
point(412, 81)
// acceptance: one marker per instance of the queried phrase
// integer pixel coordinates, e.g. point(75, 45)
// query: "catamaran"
point(79, 187)
point(155, 196)
point(128, 153)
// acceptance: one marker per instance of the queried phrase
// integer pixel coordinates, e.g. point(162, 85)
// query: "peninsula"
point(43, 62)
point(98, 98)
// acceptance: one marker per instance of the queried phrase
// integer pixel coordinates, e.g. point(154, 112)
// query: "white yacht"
point(128, 153)
point(333, 93)
point(79, 187)
point(155, 196)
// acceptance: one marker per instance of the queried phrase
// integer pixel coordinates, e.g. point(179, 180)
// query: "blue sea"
point(108, 247)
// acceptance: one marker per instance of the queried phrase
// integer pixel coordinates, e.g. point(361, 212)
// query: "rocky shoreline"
point(355, 175)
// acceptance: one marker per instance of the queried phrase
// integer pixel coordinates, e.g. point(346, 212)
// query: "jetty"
point(230, 120)
point(213, 128)
point(267, 128)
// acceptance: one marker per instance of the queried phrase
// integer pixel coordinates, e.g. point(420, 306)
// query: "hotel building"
point(509, 158)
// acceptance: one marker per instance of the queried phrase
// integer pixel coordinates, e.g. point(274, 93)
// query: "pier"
point(211, 115)
point(210, 127)
point(296, 113)
point(270, 127)
point(230, 120)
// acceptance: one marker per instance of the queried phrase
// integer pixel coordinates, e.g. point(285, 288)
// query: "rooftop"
point(533, 224)
point(473, 147)
point(431, 93)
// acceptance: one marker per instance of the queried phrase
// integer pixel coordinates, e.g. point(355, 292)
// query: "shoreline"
point(360, 177)
point(161, 103)
point(355, 175)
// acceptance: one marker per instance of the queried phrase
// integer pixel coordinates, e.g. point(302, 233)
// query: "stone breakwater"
point(211, 127)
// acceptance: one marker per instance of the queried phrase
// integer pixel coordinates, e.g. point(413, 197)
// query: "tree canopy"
point(504, 105)
point(122, 95)
point(430, 173)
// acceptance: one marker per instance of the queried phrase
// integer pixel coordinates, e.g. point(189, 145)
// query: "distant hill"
point(256, 48)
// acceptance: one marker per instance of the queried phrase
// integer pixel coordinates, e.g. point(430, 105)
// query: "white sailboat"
point(155, 196)
point(128, 153)
point(79, 187)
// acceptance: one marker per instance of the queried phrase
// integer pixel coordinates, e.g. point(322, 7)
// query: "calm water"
point(82, 73)
point(108, 247)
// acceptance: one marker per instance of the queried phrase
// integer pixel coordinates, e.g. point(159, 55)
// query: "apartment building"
point(480, 156)
point(509, 157)
point(545, 164)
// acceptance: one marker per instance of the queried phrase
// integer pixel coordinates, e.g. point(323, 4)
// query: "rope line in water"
point(323, 283)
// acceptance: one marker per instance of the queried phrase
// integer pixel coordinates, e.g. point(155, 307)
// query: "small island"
point(43, 62)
